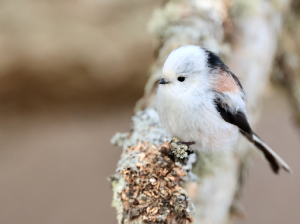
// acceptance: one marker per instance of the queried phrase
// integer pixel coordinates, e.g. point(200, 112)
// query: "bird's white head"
point(185, 68)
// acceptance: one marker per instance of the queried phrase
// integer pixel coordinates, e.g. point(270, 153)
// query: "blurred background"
point(70, 74)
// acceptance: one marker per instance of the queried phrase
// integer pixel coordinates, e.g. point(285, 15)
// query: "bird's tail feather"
point(275, 161)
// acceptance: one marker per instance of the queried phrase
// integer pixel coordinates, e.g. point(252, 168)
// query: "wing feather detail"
point(239, 119)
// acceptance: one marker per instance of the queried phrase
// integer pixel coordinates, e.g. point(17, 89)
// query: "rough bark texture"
point(251, 29)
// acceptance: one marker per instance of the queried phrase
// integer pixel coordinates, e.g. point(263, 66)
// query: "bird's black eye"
point(181, 78)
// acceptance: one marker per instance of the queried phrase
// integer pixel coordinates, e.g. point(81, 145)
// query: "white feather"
point(277, 157)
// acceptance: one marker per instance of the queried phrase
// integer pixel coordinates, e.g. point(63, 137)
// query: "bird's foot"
point(180, 149)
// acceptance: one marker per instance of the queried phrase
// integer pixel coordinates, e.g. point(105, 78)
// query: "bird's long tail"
point(275, 161)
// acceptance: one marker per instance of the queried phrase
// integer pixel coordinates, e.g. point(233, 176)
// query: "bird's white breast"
point(192, 116)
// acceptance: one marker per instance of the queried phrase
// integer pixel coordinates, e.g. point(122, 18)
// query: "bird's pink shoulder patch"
point(225, 83)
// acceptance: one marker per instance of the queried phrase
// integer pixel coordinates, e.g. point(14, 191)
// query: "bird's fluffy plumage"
point(202, 101)
point(187, 109)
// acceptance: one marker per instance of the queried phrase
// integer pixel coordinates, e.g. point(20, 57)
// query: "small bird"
point(200, 100)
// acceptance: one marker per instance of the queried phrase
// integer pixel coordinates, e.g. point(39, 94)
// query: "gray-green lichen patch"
point(179, 149)
point(118, 185)
point(119, 138)
point(146, 128)
point(163, 18)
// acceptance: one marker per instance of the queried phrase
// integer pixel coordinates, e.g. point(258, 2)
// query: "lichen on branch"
point(153, 186)
point(148, 185)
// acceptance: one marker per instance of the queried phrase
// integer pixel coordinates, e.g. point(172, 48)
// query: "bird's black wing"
point(240, 120)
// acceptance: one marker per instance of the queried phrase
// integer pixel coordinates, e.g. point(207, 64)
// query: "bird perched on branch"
point(200, 100)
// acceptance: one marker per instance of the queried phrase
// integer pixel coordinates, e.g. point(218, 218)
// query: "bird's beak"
point(163, 81)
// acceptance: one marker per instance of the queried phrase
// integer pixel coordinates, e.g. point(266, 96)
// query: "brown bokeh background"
point(70, 74)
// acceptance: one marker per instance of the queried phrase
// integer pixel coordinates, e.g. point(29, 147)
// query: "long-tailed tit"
point(200, 100)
